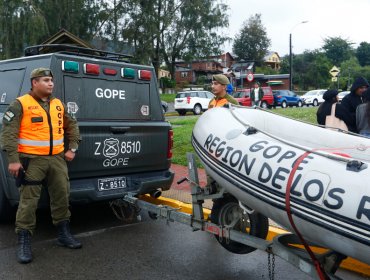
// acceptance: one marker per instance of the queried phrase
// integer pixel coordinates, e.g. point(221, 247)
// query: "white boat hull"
point(330, 205)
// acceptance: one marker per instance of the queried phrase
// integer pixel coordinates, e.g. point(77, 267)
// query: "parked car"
point(313, 97)
point(192, 101)
point(164, 106)
point(286, 98)
point(243, 97)
point(342, 94)
point(127, 144)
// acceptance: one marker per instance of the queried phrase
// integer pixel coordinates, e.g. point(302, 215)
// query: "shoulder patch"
point(8, 116)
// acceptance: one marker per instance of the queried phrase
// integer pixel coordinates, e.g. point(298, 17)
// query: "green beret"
point(41, 72)
point(222, 79)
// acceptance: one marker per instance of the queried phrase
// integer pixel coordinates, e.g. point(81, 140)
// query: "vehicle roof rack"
point(71, 49)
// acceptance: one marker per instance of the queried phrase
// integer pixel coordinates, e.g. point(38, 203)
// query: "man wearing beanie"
point(219, 84)
point(352, 100)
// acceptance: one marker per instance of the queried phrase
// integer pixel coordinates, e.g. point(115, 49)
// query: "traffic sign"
point(334, 79)
point(334, 71)
point(250, 77)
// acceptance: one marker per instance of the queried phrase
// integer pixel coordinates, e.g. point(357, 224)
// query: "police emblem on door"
point(111, 147)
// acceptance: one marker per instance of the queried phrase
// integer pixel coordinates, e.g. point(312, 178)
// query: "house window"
point(184, 74)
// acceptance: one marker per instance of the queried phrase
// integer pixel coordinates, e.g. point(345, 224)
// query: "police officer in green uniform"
point(219, 84)
point(34, 127)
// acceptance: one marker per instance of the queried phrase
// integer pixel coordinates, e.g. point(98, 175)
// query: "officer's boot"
point(24, 253)
point(65, 237)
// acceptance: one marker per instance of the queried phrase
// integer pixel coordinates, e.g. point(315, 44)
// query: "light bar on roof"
point(70, 66)
point(91, 69)
point(128, 73)
point(145, 75)
point(109, 71)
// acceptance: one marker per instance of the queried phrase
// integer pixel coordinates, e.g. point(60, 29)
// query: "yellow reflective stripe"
point(39, 143)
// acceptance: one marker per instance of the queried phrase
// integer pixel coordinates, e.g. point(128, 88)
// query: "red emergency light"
point(108, 71)
point(91, 69)
point(145, 75)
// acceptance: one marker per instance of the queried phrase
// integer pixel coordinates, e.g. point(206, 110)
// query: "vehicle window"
point(209, 95)
point(266, 90)
point(202, 94)
point(180, 95)
point(239, 94)
point(193, 94)
point(107, 100)
point(9, 92)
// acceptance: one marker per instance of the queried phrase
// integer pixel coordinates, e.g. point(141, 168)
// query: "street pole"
point(291, 55)
point(290, 63)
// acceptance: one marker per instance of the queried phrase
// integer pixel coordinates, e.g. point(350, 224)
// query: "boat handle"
point(119, 129)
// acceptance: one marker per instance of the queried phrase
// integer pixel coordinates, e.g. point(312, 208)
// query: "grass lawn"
point(168, 97)
point(183, 127)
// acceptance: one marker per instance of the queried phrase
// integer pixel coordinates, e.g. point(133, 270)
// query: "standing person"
point(333, 114)
point(34, 127)
point(352, 100)
point(256, 94)
point(363, 115)
point(219, 84)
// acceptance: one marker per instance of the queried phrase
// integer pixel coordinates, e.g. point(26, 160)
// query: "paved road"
point(146, 250)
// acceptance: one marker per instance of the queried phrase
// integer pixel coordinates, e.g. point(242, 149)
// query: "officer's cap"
point(41, 72)
point(222, 79)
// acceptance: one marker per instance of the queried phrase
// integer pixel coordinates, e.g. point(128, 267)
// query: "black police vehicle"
point(126, 142)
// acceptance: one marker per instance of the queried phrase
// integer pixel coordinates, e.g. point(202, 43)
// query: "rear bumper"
point(86, 190)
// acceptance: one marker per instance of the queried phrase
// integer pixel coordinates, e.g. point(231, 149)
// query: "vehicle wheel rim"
point(283, 105)
point(197, 110)
point(232, 215)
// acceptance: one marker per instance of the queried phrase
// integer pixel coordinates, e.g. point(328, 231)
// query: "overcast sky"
point(326, 18)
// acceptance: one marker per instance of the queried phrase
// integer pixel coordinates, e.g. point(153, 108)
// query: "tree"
point(168, 30)
point(337, 49)
point(363, 53)
point(252, 42)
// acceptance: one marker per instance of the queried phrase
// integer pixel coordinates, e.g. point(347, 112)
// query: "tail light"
point(279, 96)
point(188, 99)
point(170, 144)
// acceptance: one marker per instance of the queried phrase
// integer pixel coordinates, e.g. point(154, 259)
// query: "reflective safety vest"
point(218, 102)
point(41, 132)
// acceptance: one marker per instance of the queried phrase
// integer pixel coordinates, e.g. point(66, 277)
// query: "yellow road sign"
point(334, 71)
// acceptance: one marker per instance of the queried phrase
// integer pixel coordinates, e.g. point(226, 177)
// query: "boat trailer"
point(286, 246)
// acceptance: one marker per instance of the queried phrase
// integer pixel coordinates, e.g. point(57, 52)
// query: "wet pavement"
point(148, 249)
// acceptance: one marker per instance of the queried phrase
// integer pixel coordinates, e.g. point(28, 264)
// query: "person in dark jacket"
point(363, 115)
point(352, 100)
point(331, 97)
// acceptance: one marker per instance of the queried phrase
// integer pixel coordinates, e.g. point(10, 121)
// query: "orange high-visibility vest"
point(217, 102)
point(41, 132)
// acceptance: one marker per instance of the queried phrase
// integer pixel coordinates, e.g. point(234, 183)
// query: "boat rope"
point(320, 270)
point(320, 152)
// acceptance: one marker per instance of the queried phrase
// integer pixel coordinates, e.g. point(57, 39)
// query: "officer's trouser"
point(52, 170)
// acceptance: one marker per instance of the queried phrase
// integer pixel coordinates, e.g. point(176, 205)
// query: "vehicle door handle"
point(119, 129)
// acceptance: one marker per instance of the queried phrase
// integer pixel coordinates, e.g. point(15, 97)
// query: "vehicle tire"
point(315, 103)
point(7, 212)
point(264, 105)
point(224, 211)
point(284, 104)
point(197, 109)
point(299, 104)
point(181, 112)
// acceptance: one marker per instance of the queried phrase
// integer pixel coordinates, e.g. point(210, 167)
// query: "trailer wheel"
point(225, 210)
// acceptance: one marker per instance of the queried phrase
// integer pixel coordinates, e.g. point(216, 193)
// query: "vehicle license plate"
point(111, 183)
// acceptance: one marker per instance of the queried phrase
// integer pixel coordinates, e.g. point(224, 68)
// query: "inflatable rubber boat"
point(288, 169)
